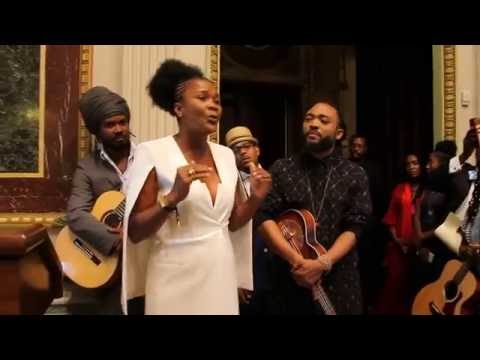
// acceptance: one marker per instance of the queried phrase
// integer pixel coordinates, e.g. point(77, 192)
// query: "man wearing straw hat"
point(246, 149)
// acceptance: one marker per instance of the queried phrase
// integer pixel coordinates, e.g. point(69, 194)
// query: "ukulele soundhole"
point(451, 291)
point(111, 219)
point(294, 233)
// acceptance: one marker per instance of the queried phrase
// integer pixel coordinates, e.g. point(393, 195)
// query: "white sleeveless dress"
point(188, 268)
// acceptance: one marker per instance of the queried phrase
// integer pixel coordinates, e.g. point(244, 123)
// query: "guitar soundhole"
point(451, 291)
point(111, 219)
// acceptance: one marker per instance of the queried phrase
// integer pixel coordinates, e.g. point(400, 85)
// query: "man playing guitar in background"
point(456, 291)
point(336, 192)
point(106, 116)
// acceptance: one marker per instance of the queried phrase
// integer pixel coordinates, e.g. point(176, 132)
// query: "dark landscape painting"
point(19, 108)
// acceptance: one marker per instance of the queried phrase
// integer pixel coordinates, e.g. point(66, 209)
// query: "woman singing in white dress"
point(182, 201)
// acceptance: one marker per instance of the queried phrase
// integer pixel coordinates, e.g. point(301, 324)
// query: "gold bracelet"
point(164, 205)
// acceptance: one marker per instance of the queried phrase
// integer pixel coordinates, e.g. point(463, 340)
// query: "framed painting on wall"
point(41, 135)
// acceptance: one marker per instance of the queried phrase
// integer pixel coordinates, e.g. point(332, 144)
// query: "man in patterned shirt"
point(336, 192)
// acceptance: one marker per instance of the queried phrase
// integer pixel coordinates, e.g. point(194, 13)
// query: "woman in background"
point(397, 293)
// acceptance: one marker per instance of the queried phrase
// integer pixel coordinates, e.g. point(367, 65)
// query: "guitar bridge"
point(87, 252)
point(434, 309)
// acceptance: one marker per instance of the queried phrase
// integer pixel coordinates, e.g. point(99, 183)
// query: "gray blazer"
point(93, 177)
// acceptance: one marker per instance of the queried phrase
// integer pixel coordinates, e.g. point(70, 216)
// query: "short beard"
point(116, 146)
point(323, 145)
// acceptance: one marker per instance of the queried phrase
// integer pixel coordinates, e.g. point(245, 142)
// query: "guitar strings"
point(120, 210)
point(318, 292)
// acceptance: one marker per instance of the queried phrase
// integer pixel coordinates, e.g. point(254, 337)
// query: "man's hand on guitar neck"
point(117, 245)
point(307, 272)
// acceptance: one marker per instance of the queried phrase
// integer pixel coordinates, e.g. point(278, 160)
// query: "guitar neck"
point(469, 255)
point(460, 274)
point(321, 297)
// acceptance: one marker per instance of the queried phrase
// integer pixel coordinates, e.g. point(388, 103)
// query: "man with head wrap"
point(106, 116)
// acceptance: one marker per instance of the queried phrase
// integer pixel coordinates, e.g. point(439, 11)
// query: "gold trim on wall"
point(29, 218)
point(41, 126)
point(449, 92)
point(84, 141)
point(214, 73)
point(86, 60)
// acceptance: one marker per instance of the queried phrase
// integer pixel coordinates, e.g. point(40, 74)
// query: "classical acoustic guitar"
point(81, 262)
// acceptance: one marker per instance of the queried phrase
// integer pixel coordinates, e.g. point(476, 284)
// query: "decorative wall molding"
point(214, 74)
point(86, 57)
point(29, 218)
point(449, 92)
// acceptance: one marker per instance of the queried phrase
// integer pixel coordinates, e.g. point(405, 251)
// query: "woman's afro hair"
point(163, 85)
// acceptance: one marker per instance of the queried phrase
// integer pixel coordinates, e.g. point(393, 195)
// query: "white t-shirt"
point(454, 165)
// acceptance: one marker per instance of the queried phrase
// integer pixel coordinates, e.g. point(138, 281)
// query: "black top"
point(378, 193)
point(432, 210)
point(455, 186)
point(93, 176)
point(347, 207)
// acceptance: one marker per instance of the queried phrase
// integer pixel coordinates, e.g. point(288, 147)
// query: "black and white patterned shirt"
point(346, 207)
